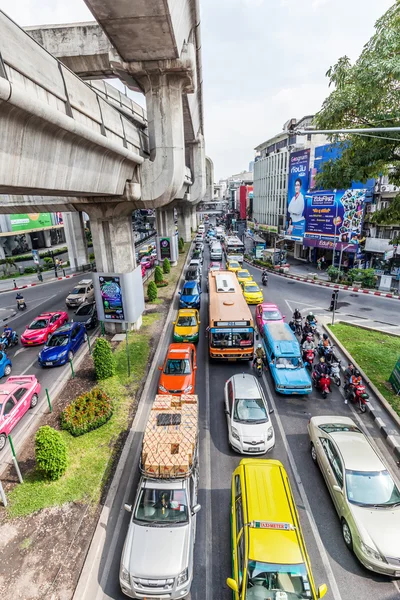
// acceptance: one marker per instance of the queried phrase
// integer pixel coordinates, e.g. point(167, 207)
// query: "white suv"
point(250, 429)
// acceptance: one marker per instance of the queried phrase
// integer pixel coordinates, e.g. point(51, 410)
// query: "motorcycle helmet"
point(259, 346)
point(310, 314)
point(325, 336)
point(309, 337)
point(322, 360)
point(357, 373)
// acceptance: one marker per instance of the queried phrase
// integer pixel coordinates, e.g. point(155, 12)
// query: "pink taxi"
point(17, 395)
point(268, 313)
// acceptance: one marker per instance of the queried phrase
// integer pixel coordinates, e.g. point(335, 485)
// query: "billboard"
point(299, 167)
point(26, 221)
point(111, 298)
point(165, 248)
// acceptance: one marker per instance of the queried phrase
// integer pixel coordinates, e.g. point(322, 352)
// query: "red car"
point(268, 313)
point(143, 270)
point(17, 395)
point(215, 266)
point(39, 330)
point(178, 374)
point(147, 262)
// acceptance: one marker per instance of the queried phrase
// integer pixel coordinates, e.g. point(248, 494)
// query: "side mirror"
point(196, 509)
point(231, 583)
point(195, 367)
point(322, 590)
point(160, 368)
point(271, 410)
point(128, 507)
point(199, 322)
point(173, 322)
point(179, 293)
point(337, 489)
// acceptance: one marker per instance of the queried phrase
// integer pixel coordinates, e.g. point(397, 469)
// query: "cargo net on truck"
point(170, 439)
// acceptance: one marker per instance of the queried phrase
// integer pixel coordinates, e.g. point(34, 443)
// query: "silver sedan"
point(365, 495)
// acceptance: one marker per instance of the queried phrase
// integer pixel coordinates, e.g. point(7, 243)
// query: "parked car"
point(178, 373)
point(17, 395)
point(250, 430)
point(364, 493)
point(62, 345)
point(82, 292)
point(86, 314)
point(39, 330)
point(186, 325)
point(190, 295)
point(268, 313)
point(5, 365)
point(197, 255)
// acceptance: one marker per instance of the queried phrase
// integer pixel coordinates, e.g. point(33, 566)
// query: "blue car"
point(5, 365)
point(190, 295)
point(62, 345)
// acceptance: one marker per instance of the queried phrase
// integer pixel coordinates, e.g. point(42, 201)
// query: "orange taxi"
point(178, 373)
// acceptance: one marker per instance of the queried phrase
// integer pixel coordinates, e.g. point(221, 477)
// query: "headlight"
point(280, 387)
point(162, 388)
point(80, 300)
point(188, 389)
point(270, 433)
point(182, 577)
point(235, 434)
point(88, 321)
point(64, 353)
point(370, 552)
point(124, 575)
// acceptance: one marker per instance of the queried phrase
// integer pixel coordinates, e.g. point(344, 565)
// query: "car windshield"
point(231, 339)
point(251, 288)
point(371, 488)
point(177, 366)
point(78, 290)
point(268, 577)
point(215, 268)
point(243, 274)
point(271, 315)
point(85, 310)
point(292, 362)
point(58, 340)
point(186, 321)
point(234, 265)
point(190, 291)
point(249, 410)
point(162, 507)
point(39, 324)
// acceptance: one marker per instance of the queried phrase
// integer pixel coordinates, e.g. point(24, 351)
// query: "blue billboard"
point(299, 167)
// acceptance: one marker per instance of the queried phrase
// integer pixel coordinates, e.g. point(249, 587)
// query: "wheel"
point(363, 407)
point(337, 381)
point(34, 400)
point(313, 453)
point(348, 540)
point(3, 439)
point(324, 395)
point(7, 370)
point(85, 337)
point(70, 355)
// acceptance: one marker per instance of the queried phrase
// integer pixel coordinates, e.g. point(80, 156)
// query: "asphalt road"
point(41, 298)
point(332, 563)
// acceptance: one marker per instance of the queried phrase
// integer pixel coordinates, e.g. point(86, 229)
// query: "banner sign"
point(330, 245)
point(111, 297)
point(24, 221)
point(165, 248)
point(299, 167)
point(270, 228)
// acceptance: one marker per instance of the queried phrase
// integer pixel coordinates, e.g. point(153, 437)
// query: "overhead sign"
point(25, 221)
point(270, 228)
point(299, 167)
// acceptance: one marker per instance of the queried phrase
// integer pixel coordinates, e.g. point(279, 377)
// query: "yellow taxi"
point(252, 293)
point(234, 266)
point(243, 275)
point(269, 556)
point(186, 326)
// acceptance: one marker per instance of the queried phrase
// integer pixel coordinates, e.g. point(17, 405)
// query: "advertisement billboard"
point(299, 167)
point(111, 297)
point(26, 221)
point(165, 248)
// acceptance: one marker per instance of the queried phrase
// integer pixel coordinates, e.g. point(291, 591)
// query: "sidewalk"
point(7, 285)
point(305, 269)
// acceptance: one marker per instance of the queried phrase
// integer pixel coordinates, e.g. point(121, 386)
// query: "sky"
point(264, 61)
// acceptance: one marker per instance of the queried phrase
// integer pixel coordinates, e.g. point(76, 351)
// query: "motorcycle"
point(258, 365)
point(326, 352)
point(264, 279)
point(299, 326)
point(21, 304)
point(358, 395)
point(334, 372)
point(308, 359)
point(323, 384)
point(8, 341)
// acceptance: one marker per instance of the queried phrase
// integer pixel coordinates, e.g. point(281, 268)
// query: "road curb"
point(101, 527)
point(320, 282)
point(8, 318)
point(385, 429)
point(28, 285)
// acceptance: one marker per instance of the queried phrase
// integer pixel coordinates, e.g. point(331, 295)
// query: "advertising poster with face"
point(299, 166)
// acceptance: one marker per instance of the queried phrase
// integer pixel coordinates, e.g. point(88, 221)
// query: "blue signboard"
point(299, 166)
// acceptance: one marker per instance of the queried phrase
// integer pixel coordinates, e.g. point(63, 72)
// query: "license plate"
point(48, 364)
point(231, 359)
point(254, 449)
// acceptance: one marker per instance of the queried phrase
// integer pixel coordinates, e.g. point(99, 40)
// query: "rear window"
point(84, 310)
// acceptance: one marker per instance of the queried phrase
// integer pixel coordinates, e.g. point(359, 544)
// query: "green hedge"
point(103, 358)
point(158, 275)
point(87, 412)
point(166, 266)
point(152, 291)
point(50, 453)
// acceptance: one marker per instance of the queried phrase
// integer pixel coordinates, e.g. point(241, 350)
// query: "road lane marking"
point(324, 556)
point(25, 312)
point(19, 351)
point(207, 466)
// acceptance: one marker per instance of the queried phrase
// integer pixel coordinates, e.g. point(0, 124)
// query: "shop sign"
point(270, 228)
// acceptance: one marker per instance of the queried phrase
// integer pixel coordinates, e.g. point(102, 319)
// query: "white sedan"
point(365, 495)
point(250, 429)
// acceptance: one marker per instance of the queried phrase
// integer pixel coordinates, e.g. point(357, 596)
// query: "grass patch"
point(90, 455)
point(375, 352)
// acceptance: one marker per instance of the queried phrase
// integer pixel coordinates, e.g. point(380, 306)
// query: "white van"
point(201, 229)
point(216, 251)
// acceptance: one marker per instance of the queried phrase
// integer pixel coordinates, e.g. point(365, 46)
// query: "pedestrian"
point(40, 276)
point(319, 264)
point(322, 262)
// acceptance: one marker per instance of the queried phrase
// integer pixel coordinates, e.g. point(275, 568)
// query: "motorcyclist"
point(264, 275)
point(7, 332)
point(324, 342)
point(347, 375)
point(311, 318)
point(308, 345)
point(292, 326)
point(297, 314)
point(321, 368)
point(307, 329)
point(259, 353)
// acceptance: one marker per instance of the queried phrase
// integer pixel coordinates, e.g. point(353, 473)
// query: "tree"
point(366, 94)
point(103, 358)
point(166, 266)
point(152, 291)
point(50, 452)
point(158, 275)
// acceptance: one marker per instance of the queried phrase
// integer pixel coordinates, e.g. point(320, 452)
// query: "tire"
point(70, 355)
point(313, 453)
point(363, 406)
point(34, 401)
point(7, 370)
point(85, 337)
point(338, 381)
point(3, 439)
point(346, 533)
point(324, 395)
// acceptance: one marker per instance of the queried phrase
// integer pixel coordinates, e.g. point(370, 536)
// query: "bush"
point(50, 452)
point(181, 246)
point(263, 263)
point(166, 266)
point(333, 272)
point(87, 412)
point(152, 291)
point(162, 283)
point(29, 270)
point(158, 275)
point(366, 276)
point(48, 261)
point(103, 358)
point(91, 256)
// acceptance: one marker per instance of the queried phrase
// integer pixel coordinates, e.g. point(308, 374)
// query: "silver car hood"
point(256, 432)
point(156, 552)
point(381, 526)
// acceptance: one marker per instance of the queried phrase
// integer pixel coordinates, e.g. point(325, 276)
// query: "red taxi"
point(39, 330)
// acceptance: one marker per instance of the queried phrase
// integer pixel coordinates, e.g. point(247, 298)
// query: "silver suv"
point(82, 292)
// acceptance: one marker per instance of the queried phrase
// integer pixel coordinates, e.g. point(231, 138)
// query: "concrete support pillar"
point(185, 222)
point(47, 239)
point(167, 236)
point(75, 237)
point(113, 246)
point(194, 219)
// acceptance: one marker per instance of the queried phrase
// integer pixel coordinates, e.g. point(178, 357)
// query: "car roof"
point(356, 451)
point(47, 315)
point(178, 351)
point(247, 283)
point(64, 328)
point(187, 312)
point(246, 386)
point(8, 388)
point(244, 271)
point(269, 306)
point(84, 281)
